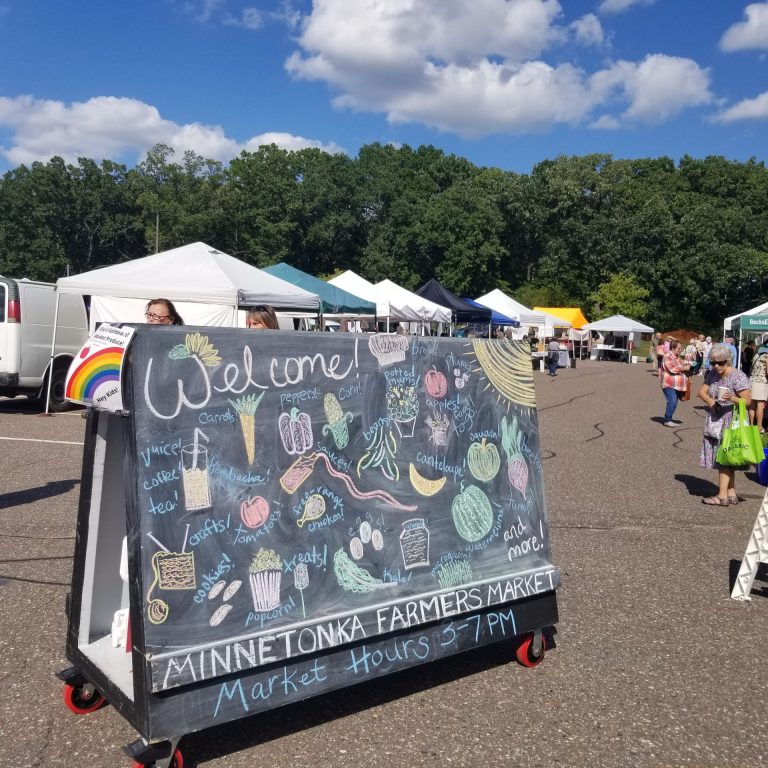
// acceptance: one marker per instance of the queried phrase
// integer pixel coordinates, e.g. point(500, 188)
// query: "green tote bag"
point(741, 442)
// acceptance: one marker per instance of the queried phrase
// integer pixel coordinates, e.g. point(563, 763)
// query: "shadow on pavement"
point(36, 494)
point(697, 486)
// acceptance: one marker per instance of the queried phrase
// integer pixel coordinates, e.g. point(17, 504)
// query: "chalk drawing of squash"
point(295, 431)
point(337, 421)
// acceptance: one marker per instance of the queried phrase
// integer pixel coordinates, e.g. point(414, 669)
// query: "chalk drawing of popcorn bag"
point(172, 571)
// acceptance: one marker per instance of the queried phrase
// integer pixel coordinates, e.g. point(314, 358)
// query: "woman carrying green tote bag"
point(741, 442)
point(725, 386)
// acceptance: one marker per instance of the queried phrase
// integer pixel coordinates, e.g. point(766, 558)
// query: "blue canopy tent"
point(333, 300)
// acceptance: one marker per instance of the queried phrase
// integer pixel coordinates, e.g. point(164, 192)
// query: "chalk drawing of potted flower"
point(403, 408)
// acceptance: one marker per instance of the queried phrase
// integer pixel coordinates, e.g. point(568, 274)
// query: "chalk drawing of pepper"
point(337, 421)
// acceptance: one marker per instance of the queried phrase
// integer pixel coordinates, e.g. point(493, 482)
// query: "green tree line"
point(676, 245)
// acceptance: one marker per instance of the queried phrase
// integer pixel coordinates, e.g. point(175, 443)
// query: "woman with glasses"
point(162, 312)
point(724, 385)
point(674, 382)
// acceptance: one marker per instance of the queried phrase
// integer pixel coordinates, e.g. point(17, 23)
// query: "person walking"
point(724, 386)
point(553, 356)
point(674, 381)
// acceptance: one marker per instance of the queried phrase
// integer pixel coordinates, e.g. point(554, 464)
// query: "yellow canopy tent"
point(572, 315)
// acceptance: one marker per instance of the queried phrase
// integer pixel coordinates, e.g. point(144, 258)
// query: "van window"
point(2, 302)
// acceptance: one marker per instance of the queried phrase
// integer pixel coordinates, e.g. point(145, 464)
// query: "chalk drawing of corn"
point(337, 421)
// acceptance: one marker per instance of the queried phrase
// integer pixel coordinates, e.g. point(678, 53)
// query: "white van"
point(27, 310)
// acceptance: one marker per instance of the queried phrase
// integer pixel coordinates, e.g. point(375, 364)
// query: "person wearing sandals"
point(758, 383)
point(723, 387)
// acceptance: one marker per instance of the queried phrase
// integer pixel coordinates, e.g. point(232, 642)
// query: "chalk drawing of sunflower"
point(196, 345)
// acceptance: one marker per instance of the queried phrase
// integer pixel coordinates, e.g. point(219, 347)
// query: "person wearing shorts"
point(758, 384)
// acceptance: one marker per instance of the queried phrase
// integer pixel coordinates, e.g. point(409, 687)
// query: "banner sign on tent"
point(94, 378)
point(754, 323)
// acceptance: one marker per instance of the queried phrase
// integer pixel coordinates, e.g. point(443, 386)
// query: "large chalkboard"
point(293, 493)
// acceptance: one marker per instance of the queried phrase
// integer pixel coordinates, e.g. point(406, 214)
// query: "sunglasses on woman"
point(719, 362)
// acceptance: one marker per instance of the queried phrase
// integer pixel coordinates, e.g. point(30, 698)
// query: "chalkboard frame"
point(155, 713)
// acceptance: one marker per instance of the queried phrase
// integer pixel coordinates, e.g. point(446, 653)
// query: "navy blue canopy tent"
point(461, 311)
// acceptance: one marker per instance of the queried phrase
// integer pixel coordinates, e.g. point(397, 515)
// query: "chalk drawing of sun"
point(506, 365)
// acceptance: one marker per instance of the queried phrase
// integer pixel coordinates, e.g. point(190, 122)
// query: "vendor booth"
point(206, 286)
point(751, 324)
point(618, 338)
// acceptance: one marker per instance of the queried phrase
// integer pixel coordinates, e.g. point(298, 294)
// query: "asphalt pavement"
point(654, 664)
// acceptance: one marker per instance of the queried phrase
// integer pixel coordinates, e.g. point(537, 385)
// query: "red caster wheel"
point(524, 652)
point(82, 699)
point(177, 761)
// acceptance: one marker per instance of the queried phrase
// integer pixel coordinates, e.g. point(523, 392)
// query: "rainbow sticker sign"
point(94, 375)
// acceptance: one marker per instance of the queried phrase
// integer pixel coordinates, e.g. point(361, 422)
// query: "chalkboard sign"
point(294, 494)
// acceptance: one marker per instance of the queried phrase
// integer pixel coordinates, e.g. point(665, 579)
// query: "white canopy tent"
point(393, 303)
point(542, 321)
point(617, 324)
point(422, 310)
point(206, 286)
point(352, 282)
point(622, 332)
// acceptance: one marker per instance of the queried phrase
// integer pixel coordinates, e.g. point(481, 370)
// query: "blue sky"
point(505, 83)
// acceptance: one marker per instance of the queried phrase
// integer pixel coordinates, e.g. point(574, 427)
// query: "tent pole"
point(53, 353)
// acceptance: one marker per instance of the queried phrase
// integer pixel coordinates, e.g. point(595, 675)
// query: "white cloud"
point(752, 33)
point(290, 142)
point(249, 18)
point(748, 109)
point(116, 128)
point(657, 88)
point(606, 123)
point(476, 68)
point(588, 30)
point(618, 6)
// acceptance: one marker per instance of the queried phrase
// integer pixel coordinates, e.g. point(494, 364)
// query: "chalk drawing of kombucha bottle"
point(195, 478)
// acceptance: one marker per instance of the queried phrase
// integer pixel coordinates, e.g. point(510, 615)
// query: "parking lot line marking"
point(36, 440)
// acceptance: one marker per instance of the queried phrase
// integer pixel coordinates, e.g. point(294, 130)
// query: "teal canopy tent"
point(333, 300)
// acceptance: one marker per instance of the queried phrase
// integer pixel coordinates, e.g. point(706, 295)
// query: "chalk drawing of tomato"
point(254, 511)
